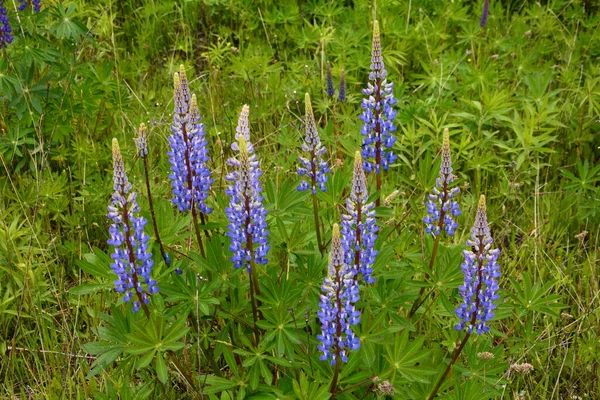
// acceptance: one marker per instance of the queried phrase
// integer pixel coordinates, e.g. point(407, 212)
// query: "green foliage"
point(521, 99)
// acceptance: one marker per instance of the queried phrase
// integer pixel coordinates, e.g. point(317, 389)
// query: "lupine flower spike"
point(337, 312)
point(247, 216)
point(23, 4)
point(342, 90)
point(441, 204)
point(330, 86)
point(132, 262)
point(5, 28)
point(485, 13)
point(359, 228)
point(481, 271)
point(441, 210)
point(313, 167)
point(378, 114)
point(190, 177)
point(141, 141)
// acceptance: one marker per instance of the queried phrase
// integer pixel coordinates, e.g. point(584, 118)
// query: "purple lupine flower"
point(23, 4)
point(132, 261)
point(485, 13)
point(337, 312)
point(190, 176)
point(342, 91)
point(441, 206)
point(141, 140)
point(378, 113)
point(314, 167)
point(5, 28)
point(247, 216)
point(481, 271)
point(330, 87)
point(359, 228)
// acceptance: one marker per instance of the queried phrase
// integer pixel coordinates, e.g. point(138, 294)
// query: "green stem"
point(253, 291)
point(457, 352)
point(197, 229)
point(420, 299)
point(336, 374)
point(349, 388)
point(152, 214)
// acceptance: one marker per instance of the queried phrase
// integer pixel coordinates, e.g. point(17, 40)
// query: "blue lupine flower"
point(342, 91)
point(485, 13)
point(247, 216)
point(190, 176)
point(378, 114)
point(23, 4)
point(359, 228)
point(441, 206)
point(330, 87)
point(337, 312)
point(5, 28)
point(132, 261)
point(481, 271)
point(313, 167)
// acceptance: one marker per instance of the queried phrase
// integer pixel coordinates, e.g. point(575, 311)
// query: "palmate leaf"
point(536, 297)
point(66, 26)
point(404, 356)
point(214, 384)
point(157, 335)
point(305, 389)
point(9, 85)
point(113, 340)
point(97, 264)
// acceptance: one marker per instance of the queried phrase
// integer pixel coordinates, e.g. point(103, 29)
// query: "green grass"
point(521, 99)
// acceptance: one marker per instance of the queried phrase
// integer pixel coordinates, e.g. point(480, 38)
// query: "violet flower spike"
point(247, 227)
point(485, 13)
point(359, 227)
point(141, 140)
point(132, 261)
point(481, 272)
point(330, 86)
point(441, 204)
point(314, 167)
point(337, 312)
point(5, 28)
point(378, 113)
point(190, 176)
point(342, 91)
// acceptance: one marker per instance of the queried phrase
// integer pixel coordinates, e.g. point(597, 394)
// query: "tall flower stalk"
point(132, 262)
point(484, 14)
point(359, 227)
point(479, 290)
point(190, 176)
point(342, 90)
point(337, 311)
point(378, 115)
point(247, 228)
point(141, 141)
point(330, 86)
point(442, 209)
point(314, 167)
